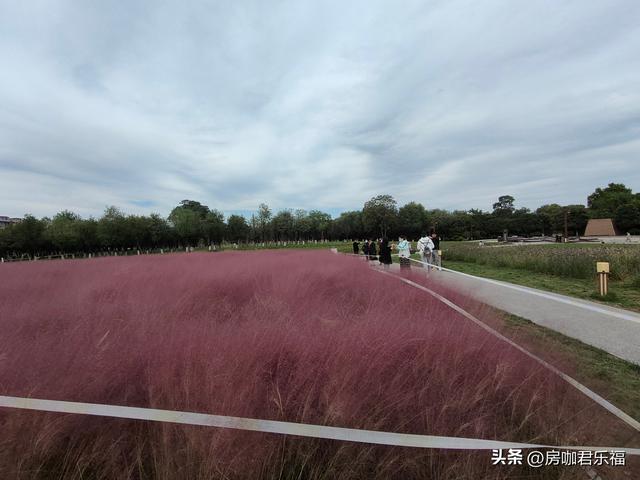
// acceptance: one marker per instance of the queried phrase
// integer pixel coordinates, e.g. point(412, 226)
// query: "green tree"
point(187, 224)
point(264, 219)
point(254, 228)
point(319, 222)
point(192, 221)
point(197, 207)
point(213, 226)
point(412, 220)
point(627, 218)
point(347, 225)
point(112, 228)
point(5, 241)
point(237, 228)
point(504, 206)
point(301, 224)
point(524, 222)
point(160, 232)
point(88, 235)
point(454, 225)
point(28, 236)
point(551, 218)
point(577, 219)
point(283, 225)
point(137, 231)
point(479, 224)
point(380, 215)
point(64, 231)
point(439, 220)
point(604, 202)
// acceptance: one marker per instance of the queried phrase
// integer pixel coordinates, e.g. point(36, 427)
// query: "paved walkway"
point(614, 330)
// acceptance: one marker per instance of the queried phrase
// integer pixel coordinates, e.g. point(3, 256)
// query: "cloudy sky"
point(315, 104)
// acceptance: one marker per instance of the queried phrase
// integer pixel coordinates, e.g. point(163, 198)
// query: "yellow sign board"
point(602, 267)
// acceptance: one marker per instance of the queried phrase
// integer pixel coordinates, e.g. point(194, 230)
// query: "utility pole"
point(566, 225)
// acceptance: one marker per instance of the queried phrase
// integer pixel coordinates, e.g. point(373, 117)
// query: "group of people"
point(375, 249)
point(428, 246)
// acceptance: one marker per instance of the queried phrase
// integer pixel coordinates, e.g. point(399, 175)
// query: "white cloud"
point(315, 105)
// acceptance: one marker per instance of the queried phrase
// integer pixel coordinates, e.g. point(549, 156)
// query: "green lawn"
point(623, 294)
point(613, 378)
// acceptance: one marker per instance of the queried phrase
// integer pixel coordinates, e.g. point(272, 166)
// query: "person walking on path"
point(436, 260)
point(365, 249)
point(385, 254)
point(373, 253)
point(425, 247)
point(404, 249)
point(356, 247)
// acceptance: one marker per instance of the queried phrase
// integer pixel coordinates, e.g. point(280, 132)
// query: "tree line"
point(194, 224)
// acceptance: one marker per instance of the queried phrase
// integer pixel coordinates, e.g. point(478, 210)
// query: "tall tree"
point(283, 225)
point(254, 226)
point(479, 224)
point(138, 233)
point(64, 231)
point(193, 221)
point(28, 236)
point(380, 215)
point(412, 218)
point(319, 222)
point(88, 235)
point(577, 219)
point(187, 224)
point(348, 225)
point(213, 226)
point(112, 231)
point(5, 241)
point(237, 228)
point(551, 218)
point(604, 202)
point(194, 206)
point(525, 222)
point(264, 217)
point(627, 218)
point(160, 232)
point(504, 206)
point(301, 224)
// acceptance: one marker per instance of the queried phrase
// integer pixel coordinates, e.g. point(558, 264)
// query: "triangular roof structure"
point(600, 227)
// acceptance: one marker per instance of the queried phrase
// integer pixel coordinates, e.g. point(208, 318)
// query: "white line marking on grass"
point(285, 428)
point(633, 423)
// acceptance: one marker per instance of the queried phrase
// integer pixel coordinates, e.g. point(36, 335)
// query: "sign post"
point(603, 277)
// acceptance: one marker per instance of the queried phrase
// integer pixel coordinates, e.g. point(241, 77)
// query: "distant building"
point(600, 227)
point(6, 221)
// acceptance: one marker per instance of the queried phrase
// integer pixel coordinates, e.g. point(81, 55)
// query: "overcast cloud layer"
point(315, 104)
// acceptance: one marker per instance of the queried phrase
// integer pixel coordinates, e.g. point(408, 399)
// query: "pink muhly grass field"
point(308, 337)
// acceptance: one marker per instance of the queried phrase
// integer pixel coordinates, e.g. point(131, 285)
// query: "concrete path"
point(614, 330)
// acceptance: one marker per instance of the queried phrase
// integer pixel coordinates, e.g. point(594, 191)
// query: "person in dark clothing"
point(385, 253)
point(436, 240)
point(365, 249)
point(356, 247)
point(435, 254)
point(373, 253)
